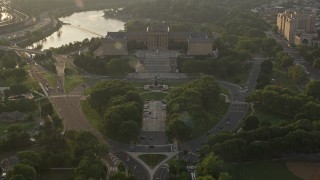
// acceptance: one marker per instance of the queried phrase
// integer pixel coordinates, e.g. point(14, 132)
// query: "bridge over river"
point(15, 48)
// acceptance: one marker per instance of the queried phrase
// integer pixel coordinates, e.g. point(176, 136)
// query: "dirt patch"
point(306, 171)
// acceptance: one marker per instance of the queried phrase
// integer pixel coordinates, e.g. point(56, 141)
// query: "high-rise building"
point(297, 27)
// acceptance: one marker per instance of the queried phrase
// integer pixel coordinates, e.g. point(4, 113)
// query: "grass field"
point(26, 125)
point(262, 171)
point(273, 118)
point(152, 159)
point(71, 82)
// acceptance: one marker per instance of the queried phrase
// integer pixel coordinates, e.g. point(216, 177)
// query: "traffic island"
point(152, 160)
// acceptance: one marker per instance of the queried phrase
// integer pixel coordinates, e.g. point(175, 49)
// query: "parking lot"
point(154, 123)
point(154, 117)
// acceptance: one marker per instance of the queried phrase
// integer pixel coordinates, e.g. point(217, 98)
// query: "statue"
point(155, 83)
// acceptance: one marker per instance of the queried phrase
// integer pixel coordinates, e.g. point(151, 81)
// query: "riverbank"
point(47, 32)
point(37, 32)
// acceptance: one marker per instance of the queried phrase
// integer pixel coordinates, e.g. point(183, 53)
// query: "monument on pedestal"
point(156, 85)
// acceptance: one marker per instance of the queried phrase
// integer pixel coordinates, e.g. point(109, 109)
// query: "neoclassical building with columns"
point(156, 38)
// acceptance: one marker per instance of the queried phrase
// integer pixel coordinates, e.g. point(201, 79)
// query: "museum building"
point(156, 38)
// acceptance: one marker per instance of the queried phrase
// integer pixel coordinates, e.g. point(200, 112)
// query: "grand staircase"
point(157, 65)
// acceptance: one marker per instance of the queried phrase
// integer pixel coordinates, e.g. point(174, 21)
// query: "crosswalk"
point(114, 159)
point(239, 106)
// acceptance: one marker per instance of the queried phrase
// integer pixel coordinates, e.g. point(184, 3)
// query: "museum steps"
point(157, 65)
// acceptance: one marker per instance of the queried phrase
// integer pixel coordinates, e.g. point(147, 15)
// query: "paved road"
point(293, 52)
point(138, 170)
point(69, 109)
point(231, 120)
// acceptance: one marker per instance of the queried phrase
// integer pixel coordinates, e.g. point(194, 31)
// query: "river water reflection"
point(82, 25)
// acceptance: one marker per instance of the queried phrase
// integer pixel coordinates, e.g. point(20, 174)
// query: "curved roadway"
point(230, 121)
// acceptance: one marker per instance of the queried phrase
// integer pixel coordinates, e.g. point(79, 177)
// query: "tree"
point(90, 168)
point(286, 61)
point(119, 66)
point(233, 150)
point(16, 89)
point(313, 89)
point(129, 129)
point(266, 66)
point(251, 123)
point(316, 63)
point(30, 158)
point(298, 74)
point(179, 130)
point(208, 88)
point(211, 165)
point(21, 170)
point(224, 176)
point(47, 109)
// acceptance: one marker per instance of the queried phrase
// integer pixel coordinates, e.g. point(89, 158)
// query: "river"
point(82, 25)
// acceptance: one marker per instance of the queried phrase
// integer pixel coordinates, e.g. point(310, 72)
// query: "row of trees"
point(283, 101)
point(9, 60)
point(187, 106)
point(121, 106)
point(9, 74)
point(296, 72)
point(228, 65)
point(105, 66)
point(311, 54)
point(76, 149)
point(301, 136)
point(79, 149)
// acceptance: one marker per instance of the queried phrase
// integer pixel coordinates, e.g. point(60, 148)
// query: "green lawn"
point(71, 82)
point(262, 171)
point(152, 159)
point(273, 118)
point(214, 116)
point(92, 115)
point(26, 125)
point(153, 95)
point(281, 79)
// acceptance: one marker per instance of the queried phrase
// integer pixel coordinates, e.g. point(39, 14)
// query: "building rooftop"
point(155, 28)
point(199, 37)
